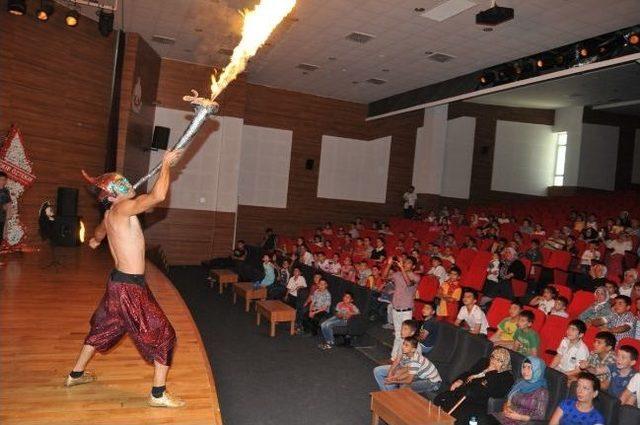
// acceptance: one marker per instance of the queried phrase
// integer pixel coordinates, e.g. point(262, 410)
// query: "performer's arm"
point(98, 235)
point(159, 192)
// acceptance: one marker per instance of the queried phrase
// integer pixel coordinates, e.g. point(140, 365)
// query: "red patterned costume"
point(128, 306)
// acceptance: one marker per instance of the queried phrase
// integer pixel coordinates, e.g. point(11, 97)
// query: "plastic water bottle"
point(473, 420)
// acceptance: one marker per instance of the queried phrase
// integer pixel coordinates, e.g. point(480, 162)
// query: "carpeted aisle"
point(281, 380)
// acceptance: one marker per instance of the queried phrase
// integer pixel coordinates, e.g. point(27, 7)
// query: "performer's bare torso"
point(126, 241)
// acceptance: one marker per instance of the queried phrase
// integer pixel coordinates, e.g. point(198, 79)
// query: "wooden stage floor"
point(44, 318)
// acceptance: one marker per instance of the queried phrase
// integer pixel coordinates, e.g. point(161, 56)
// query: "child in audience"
point(411, 368)
point(612, 289)
point(560, 307)
point(428, 333)
point(601, 356)
point(508, 326)
point(580, 410)
point(437, 269)
point(344, 310)
point(364, 272)
point(546, 301)
point(269, 273)
point(620, 322)
point(320, 303)
point(525, 340)
point(534, 254)
point(334, 265)
point(572, 350)
point(408, 330)
point(470, 315)
point(493, 268)
point(449, 294)
point(588, 256)
point(447, 255)
point(322, 263)
point(621, 372)
point(374, 280)
point(348, 272)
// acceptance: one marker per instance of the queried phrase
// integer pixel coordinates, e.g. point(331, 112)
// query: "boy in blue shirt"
point(428, 333)
point(621, 371)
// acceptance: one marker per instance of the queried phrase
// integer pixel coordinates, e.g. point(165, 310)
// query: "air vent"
point(161, 39)
point(360, 37)
point(307, 67)
point(440, 57)
point(225, 52)
point(376, 81)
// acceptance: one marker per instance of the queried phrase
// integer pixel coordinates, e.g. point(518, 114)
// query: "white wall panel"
point(207, 176)
point(456, 178)
point(524, 158)
point(355, 170)
point(598, 156)
point(429, 157)
point(264, 166)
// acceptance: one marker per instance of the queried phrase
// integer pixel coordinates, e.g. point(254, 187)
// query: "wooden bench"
point(224, 277)
point(275, 312)
point(406, 407)
point(247, 291)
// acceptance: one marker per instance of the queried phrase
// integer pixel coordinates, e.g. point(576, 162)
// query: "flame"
point(258, 25)
point(81, 232)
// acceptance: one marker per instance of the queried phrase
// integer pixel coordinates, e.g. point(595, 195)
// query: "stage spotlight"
point(45, 11)
point(487, 77)
point(72, 17)
point(634, 39)
point(105, 22)
point(17, 7)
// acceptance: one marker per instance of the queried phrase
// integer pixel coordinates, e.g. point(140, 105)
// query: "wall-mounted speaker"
point(309, 164)
point(160, 137)
point(67, 202)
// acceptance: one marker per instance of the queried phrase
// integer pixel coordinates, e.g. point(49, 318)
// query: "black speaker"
point(309, 164)
point(160, 137)
point(66, 231)
point(67, 202)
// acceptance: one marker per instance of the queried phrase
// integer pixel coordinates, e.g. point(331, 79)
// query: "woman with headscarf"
point(489, 378)
point(510, 268)
point(600, 307)
point(528, 398)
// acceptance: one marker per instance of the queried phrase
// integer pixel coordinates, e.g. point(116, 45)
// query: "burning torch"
point(258, 25)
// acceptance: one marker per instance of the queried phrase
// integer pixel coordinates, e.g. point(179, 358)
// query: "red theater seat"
point(552, 332)
point(580, 302)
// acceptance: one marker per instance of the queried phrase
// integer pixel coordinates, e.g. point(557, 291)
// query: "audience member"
point(600, 307)
point(488, 378)
point(408, 329)
point(449, 294)
point(629, 279)
point(620, 322)
point(560, 307)
point(411, 369)
point(601, 356)
point(528, 397)
point(508, 326)
point(428, 332)
point(379, 252)
point(525, 340)
point(348, 272)
point(470, 316)
point(437, 269)
point(294, 296)
point(319, 305)
point(547, 301)
point(269, 273)
point(344, 310)
point(580, 409)
point(621, 372)
point(405, 283)
point(572, 350)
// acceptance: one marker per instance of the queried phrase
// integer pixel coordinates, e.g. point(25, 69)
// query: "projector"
point(494, 16)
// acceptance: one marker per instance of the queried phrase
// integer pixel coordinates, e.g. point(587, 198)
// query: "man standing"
point(405, 282)
point(409, 199)
point(128, 305)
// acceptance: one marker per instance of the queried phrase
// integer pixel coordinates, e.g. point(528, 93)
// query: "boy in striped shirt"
point(412, 369)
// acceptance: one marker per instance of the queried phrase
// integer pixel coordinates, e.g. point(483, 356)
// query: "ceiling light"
point(634, 39)
point(71, 18)
point(419, 9)
point(105, 22)
point(17, 7)
point(45, 11)
point(487, 29)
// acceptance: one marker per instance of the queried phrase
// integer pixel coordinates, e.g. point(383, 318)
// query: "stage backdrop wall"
point(598, 156)
point(55, 85)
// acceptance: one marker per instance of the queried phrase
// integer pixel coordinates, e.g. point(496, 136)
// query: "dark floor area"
point(282, 380)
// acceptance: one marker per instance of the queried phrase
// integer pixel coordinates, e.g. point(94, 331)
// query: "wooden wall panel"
point(189, 236)
point(135, 129)
point(55, 85)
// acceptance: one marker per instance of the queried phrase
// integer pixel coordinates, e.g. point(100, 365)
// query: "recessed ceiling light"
point(428, 52)
point(419, 9)
point(381, 55)
point(332, 58)
point(487, 29)
point(344, 69)
point(354, 82)
point(385, 70)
